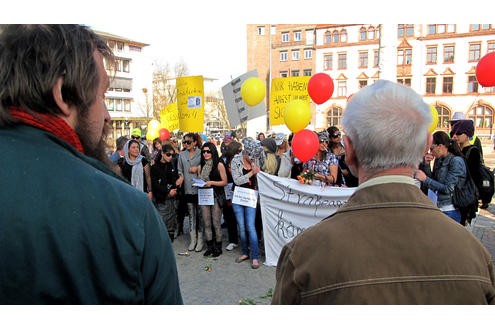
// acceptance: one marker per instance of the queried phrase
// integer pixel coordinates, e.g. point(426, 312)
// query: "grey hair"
point(387, 124)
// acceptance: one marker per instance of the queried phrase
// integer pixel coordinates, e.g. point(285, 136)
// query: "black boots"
point(217, 249)
point(209, 248)
point(213, 248)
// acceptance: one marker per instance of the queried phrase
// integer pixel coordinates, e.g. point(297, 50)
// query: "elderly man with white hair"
point(389, 244)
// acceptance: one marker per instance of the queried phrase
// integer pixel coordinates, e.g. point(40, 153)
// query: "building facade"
point(129, 97)
point(437, 60)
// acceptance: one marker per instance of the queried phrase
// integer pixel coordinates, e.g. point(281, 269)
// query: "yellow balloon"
point(434, 122)
point(253, 91)
point(297, 115)
point(153, 130)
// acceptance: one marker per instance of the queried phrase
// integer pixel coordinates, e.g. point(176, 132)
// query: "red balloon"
point(164, 134)
point(305, 144)
point(485, 70)
point(320, 87)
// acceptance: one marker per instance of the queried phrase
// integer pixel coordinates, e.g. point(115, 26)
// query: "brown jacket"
point(388, 245)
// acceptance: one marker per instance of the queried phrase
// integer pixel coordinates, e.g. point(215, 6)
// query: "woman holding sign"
point(211, 196)
point(244, 175)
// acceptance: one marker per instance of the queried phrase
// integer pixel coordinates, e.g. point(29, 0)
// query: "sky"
point(210, 36)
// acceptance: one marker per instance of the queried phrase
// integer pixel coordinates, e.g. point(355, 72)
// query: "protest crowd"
point(189, 184)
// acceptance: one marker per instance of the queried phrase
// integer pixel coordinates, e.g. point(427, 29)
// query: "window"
point(482, 116)
point(472, 84)
point(448, 84)
point(134, 48)
point(448, 54)
point(327, 61)
point(341, 88)
point(405, 29)
point(474, 51)
point(475, 27)
point(260, 30)
point(343, 36)
point(328, 37)
point(371, 33)
point(404, 81)
point(296, 54)
point(308, 53)
point(444, 115)
point(297, 36)
point(283, 56)
point(404, 57)
point(431, 83)
point(441, 28)
point(285, 37)
point(284, 74)
point(307, 72)
point(309, 37)
point(376, 58)
point(335, 36)
point(485, 26)
point(334, 115)
point(295, 73)
point(126, 65)
point(363, 59)
point(120, 46)
point(362, 83)
point(362, 34)
point(490, 47)
point(342, 61)
point(431, 55)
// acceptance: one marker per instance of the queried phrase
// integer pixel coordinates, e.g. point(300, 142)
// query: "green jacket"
point(73, 232)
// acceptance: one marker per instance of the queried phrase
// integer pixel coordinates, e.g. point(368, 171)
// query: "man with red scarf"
point(71, 231)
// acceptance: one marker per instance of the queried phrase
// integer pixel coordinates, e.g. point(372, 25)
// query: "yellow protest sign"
point(190, 102)
point(284, 90)
point(169, 117)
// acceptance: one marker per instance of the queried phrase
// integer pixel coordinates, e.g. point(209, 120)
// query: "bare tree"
point(164, 87)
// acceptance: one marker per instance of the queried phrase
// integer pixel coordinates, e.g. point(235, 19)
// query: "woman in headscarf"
point(136, 168)
point(244, 172)
point(272, 161)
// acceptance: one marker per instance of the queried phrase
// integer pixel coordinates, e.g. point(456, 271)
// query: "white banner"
point(205, 196)
point(245, 197)
point(288, 207)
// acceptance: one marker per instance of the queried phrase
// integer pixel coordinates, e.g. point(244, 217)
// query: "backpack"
point(486, 187)
point(466, 194)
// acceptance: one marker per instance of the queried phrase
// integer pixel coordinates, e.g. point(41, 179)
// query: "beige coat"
point(388, 245)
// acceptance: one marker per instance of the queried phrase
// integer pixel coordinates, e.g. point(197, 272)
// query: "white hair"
point(387, 124)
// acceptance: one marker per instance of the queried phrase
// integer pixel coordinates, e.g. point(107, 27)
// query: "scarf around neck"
point(206, 170)
point(137, 168)
point(50, 123)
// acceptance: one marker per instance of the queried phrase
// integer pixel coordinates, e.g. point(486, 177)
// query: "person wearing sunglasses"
point(188, 163)
point(165, 181)
point(448, 170)
point(336, 146)
point(462, 132)
point(324, 163)
point(212, 170)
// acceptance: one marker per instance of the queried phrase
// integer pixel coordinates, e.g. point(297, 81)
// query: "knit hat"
point(323, 136)
point(270, 144)
point(463, 126)
point(136, 132)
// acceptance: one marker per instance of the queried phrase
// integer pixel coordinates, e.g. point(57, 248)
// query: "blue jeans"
point(455, 215)
point(246, 217)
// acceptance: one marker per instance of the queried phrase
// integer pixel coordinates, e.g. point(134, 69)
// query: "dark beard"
point(98, 151)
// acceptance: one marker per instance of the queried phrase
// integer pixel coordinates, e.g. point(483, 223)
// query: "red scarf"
point(50, 123)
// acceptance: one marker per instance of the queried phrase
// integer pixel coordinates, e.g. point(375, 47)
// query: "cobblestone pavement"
point(221, 281)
